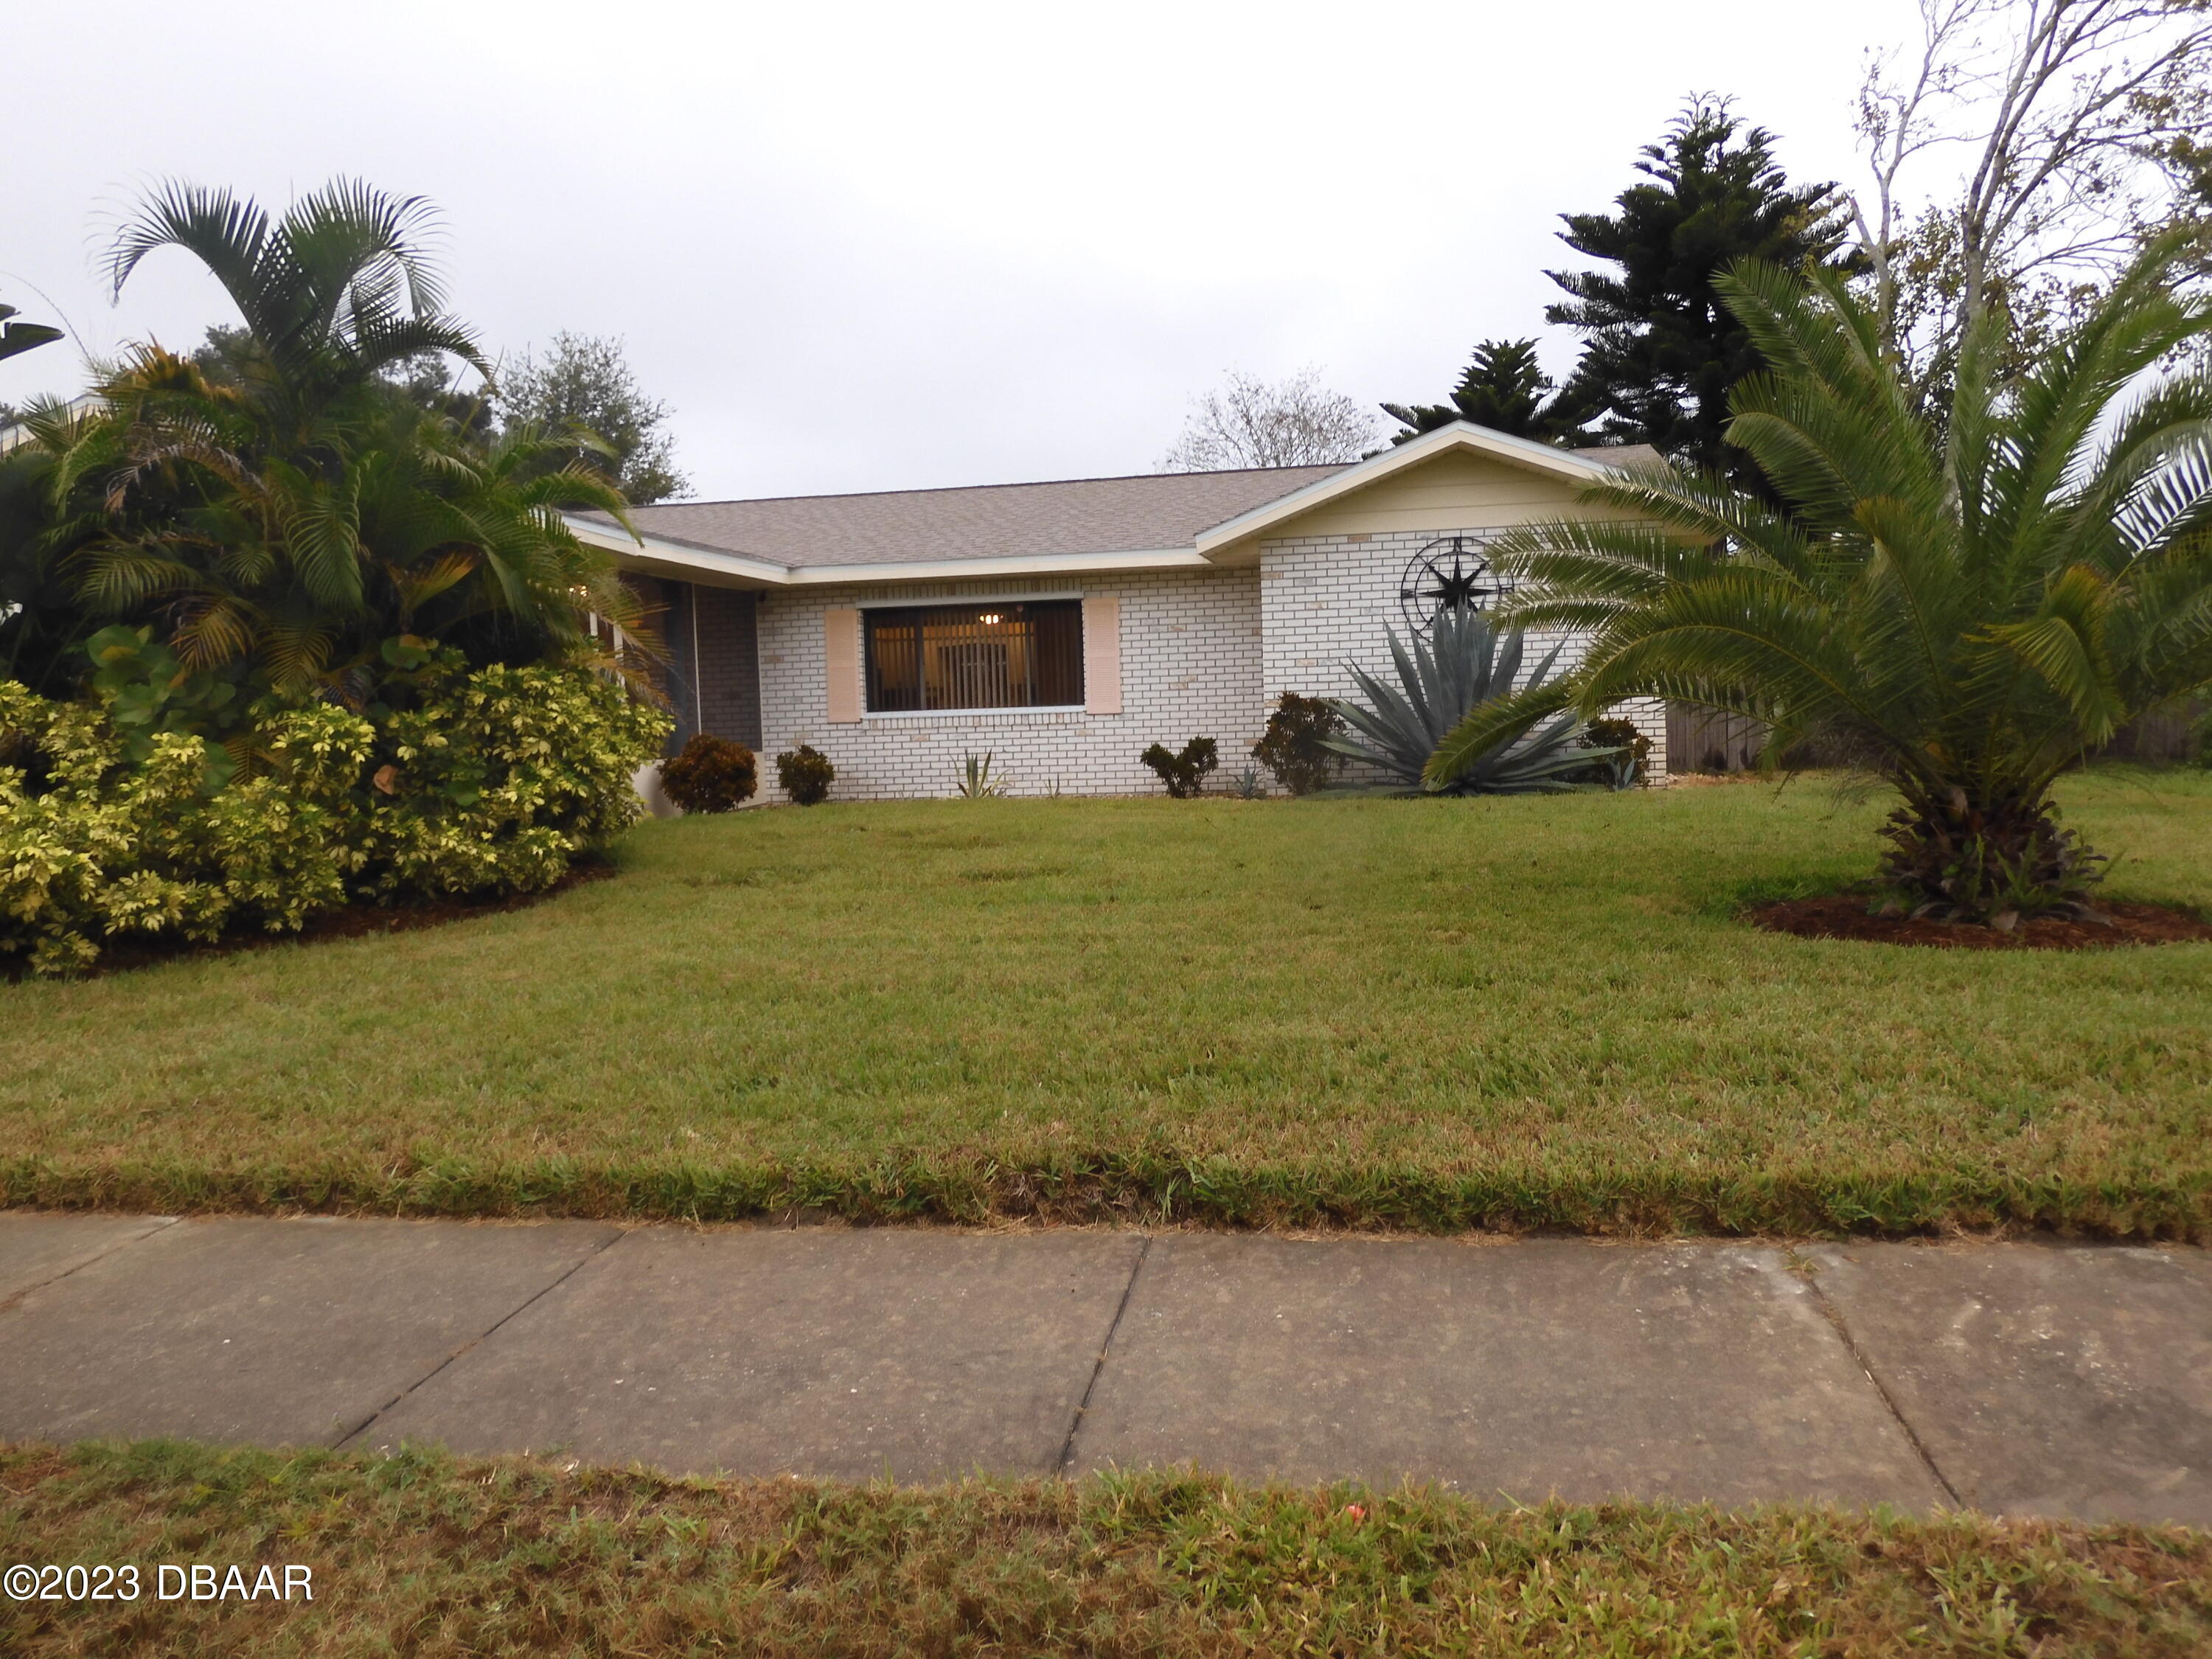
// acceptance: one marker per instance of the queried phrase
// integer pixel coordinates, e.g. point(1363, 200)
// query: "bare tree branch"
point(1253, 423)
point(2084, 123)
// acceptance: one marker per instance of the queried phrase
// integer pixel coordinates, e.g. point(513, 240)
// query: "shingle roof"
point(984, 521)
point(1138, 514)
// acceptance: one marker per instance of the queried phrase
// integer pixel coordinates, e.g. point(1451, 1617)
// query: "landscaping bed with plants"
point(1516, 1012)
point(1853, 916)
point(427, 1554)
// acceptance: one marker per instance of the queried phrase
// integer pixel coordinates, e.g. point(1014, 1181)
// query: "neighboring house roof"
point(15, 432)
point(1145, 521)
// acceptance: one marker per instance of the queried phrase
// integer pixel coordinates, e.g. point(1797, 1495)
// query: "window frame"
point(873, 611)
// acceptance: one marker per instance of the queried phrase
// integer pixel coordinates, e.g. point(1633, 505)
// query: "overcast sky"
point(863, 247)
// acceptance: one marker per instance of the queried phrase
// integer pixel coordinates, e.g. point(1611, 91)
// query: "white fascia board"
point(1459, 434)
point(1038, 564)
point(651, 550)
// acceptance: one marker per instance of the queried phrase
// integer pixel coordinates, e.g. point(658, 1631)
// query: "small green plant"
point(712, 775)
point(1184, 774)
point(1295, 746)
point(1247, 786)
point(806, 774)
point(977, 783)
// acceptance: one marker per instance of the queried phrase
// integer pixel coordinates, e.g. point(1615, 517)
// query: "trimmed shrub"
point(493, 780)
point(1295, 746)
point(806, 774)
point(1183, 773)
point(1627, 767)
point(489, 783)
point(111, 847)
point(712, 775)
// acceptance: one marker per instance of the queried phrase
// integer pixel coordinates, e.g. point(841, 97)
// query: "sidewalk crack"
point(1835, 1317)
point(367, 1422)
point(167, 1222)
point(1068, 1446)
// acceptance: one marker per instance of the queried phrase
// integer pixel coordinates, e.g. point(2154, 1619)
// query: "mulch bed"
point(1845, 916)
point(353, 922)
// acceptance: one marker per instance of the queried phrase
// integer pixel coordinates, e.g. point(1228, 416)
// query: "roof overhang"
point(660, 555)
point(1461, 435)
point(657, 555)
point(1225, 543)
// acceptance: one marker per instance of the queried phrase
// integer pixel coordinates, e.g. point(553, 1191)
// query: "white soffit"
point(688, 561)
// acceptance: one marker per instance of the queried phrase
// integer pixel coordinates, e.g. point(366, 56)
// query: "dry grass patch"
point(428, 1555)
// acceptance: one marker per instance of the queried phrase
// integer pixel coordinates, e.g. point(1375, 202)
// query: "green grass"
point(1523, 1012)
point(427, 1555)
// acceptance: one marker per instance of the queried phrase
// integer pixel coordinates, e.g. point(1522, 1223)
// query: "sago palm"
point(1968, 602)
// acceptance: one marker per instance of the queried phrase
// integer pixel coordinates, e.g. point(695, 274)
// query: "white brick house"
point(1066, 626)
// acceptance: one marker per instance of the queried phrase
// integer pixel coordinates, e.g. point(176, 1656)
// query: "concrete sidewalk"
point(2029, 1379)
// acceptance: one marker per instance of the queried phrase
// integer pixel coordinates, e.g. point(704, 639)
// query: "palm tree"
point(1968, 601)
point(340, 290)
point(289, 515)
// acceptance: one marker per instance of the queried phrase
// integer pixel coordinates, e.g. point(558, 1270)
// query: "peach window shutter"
point(1101, 656)
point(841, 640)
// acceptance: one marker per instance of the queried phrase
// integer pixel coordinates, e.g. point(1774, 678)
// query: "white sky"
point(870, 247)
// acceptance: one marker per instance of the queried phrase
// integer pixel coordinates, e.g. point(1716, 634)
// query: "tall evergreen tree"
point(1505, 389)
point(1661, 351)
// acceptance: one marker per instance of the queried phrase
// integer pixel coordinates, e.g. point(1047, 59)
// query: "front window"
point(976, 656)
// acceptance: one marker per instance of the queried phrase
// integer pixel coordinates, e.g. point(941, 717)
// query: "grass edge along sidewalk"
point(1155, 1188)
point(439, 1555)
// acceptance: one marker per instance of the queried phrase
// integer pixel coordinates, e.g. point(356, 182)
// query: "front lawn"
point(1522, 1011)
point(429, 1555)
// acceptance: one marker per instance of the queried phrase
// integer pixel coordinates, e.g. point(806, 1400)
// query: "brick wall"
point(1190, 667)
point(729, 663)
point(1326, 598)
point(713, 676)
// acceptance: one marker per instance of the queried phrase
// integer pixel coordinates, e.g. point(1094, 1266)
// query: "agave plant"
point(1466, 662)
point(977, 783)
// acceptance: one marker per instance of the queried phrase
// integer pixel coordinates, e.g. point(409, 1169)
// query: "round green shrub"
point(711, 775)
point(805, 774)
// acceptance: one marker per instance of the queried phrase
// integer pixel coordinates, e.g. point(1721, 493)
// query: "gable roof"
point(1571, 466)
point(1146, 520)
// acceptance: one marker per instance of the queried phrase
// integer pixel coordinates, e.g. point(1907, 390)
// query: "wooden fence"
point(1702, 740)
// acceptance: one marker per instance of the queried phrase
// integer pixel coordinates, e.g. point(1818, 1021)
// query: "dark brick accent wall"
point(714, 652)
